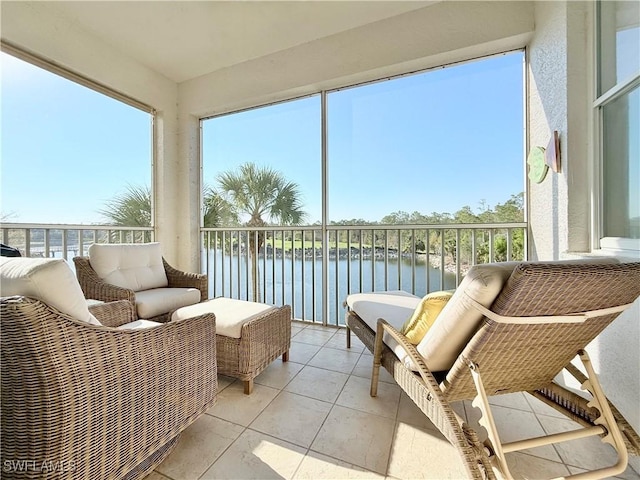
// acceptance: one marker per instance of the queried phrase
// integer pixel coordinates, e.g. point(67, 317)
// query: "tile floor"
point(313, 418)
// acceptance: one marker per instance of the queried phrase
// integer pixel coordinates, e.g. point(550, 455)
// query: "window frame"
point(600, 242)
point(70, 75)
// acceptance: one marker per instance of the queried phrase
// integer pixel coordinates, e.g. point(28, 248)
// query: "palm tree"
point(130, 209)
point(263, 195)
point(133, 209)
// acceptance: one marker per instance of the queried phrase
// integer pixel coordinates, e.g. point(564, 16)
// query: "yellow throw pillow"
point(416, 327)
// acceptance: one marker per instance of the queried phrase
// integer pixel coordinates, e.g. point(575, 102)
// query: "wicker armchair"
point(524, 324)
point(96, 288)
point(90, 401)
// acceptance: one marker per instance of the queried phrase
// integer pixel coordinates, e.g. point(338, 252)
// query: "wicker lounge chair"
point(513, 328)
point(190, 287)
point(82, 398)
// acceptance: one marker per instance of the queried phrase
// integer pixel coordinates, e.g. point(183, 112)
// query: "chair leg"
point(285, 356)
point(348, 337)
point(605, 424)
point(481, 401)
point(377, 361)
point(248, 386)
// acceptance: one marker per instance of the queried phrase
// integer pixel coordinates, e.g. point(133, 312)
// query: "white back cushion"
point(49, 280)
point(458, 320)
point(127, 265)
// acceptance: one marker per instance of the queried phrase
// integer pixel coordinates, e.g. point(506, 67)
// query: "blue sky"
point(431, 142)
point(66, 149)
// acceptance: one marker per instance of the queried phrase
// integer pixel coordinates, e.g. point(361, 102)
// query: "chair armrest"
point(114, 314)
point(422, 369)
point(180, 279)
point(94, 287)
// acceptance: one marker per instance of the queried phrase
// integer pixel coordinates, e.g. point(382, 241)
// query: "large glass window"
point(71, 155)
point(404, 163)
point(438, 145)
point(618, 111)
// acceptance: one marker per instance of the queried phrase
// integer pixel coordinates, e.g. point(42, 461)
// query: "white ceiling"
point(184, 40)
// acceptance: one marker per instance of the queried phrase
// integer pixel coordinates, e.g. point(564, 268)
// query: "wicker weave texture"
point(114, 314)
point(98, 401)
point(513, 357)
point(536, 353)
point(94, 287)
point(428, 397)
point(261, 341)
point(559, 289)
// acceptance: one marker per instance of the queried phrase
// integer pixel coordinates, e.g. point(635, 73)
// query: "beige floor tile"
point(318, 466)
point(518, 425)
point(302, 352)
point(418, 453)
point(322, 328)
point(357, 343)
point(234, 406)
point(297, 326)
point(356, 437)
point(588, 453)
point(318, 383)
point(313, 336)
point(511, 400)
point(199, 446)
point(364, 369)
point(356, 395)
point(628, 474)
point(339, 340)
point(293, 418)
point(257, 456)
point(410, 414)
point(459, 408)
point(523, 466)
point(278, 374)
point(224, 382)
point(335, 360)
point(541, 408)
point(155, 476)
point(473, 416)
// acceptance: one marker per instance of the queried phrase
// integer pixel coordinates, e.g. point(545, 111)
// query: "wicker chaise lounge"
point(507, 328)
point(90, 392)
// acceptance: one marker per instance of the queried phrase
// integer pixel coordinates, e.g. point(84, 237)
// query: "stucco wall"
point(560, 92)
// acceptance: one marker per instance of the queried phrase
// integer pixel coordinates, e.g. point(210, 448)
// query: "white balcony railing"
point(314, 269)
point(310, 268)
point(67, 241)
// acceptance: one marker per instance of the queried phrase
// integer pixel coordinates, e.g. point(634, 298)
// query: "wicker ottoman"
point(249, 335)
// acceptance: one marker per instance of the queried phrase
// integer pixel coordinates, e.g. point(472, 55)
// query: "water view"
point(298, 282)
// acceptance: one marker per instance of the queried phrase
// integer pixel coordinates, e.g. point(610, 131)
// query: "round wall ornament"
point(537, 166)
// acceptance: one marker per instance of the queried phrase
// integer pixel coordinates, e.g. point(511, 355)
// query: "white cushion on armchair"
point(129, 265)
point(49, 280)
point(157, 301)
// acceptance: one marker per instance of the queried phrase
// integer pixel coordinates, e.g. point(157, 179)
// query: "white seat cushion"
point(139, 325)
point(157, 301)
point(133, 266)
point(230, 314)
point(46, 279)
point(394, 306)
